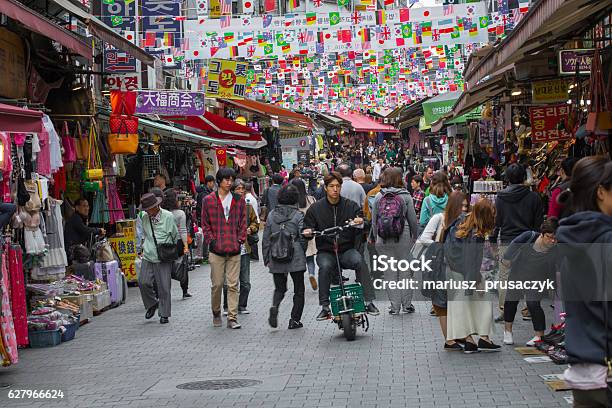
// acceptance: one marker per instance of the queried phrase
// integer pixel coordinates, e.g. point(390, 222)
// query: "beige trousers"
point(221, 269)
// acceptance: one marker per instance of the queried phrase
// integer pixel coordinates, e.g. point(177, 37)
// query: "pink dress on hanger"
point(7, 329)
point(44, 156)
point(18, 295)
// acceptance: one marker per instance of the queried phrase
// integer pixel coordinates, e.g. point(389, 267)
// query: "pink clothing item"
point(18, 295)
point(554, 208)
point(7, 329)
point(44, 156)
point(19, 138)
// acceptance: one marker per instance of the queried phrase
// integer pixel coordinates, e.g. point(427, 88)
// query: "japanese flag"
point(321, 80)
point(130, 36)
point(168, 60)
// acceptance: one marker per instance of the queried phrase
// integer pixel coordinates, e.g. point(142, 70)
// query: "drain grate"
point(223, 384)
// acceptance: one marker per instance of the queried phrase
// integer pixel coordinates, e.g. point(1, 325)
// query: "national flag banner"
point(233, 51)
point(286, 48)
point(404, 15)
point(460, 24)
point(130, 36)
point(247, 6)
point(149, 39)
point(269, 6)
point(388, 2)
point(400, 42)
point(168, 60)
point(228, 37)
point(268, 49)
point(226, 7)
point(317, 3)
point(474, 30)
point(280, 40)
point(523, 6)
point(311, 18)
point(168, 39)
point(334, 18)
point(456, 33)
point(426, 28)
point(343, 3)
point(445, 26)
point(484, 21)
point(407, 30)
point(381, 17)
point(293, 4)
point(225, 21)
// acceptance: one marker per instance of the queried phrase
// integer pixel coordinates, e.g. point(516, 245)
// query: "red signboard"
point(549, 123)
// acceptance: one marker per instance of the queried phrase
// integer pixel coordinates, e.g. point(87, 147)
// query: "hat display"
point(148, 201)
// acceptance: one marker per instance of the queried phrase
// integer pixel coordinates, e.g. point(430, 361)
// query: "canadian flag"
point(247, 6)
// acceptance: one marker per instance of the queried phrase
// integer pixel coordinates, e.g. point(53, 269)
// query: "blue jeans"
point(328, 272)
point(310, 263)
point(245, 283)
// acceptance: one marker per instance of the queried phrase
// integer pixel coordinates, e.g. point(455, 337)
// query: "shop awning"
point(274, 111)
point(362, 123)
point(14, 119)
point(546, 22)
point(41, 25)
point(439, 106)
point(469, 100)
point(222, 129)
point(105, 33)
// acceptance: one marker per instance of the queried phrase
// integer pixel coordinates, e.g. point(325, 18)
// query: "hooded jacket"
point(586, 269)
point(293, 219)
point(322, 214)
point(517, 210)
point(432, 205)
point(410, 230)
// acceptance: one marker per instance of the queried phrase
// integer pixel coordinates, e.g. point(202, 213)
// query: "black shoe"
point(409, 309)
point(344, 279)
point(273, 318)
point(186, 295)
point(484, 345)
point(453, 347)
point(372, 310)
point(432, 312)
point(324, 314)
point(470, 348)
point(294, 324)
point(151, 311)
point(163, 320)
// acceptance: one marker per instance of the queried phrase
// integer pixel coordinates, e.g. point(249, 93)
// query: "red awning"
point(268, 109)
point(221, 128)
point(37, 23)
point(14, 119)
point(361, 123)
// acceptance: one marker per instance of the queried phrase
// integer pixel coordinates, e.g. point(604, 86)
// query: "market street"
point(120, 359)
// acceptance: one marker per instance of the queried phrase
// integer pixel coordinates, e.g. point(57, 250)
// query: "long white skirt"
point(470, 316)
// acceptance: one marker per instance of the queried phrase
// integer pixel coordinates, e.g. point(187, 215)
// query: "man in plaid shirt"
point(224, 227)
point(417, 194)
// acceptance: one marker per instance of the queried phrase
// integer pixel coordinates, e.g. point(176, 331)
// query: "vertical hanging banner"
point(157, 17)
point(549, 123)
point(119, 15)
point(226, 79)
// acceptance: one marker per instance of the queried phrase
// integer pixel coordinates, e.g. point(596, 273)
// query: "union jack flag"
point(356, 18)
point(435, 36)
point(250, 51)
point(385, 34)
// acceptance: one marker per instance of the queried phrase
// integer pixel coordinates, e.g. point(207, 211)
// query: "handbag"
point(123, 138)
point(165, 252)
point(94, 169)
point(123, 102)
point(68, 144)
point(599, 118)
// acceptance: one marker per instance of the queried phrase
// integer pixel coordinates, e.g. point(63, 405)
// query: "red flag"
point(149, 39)
point(404, 15)
point(270, 5)
point(221, 157)
point(387, 2)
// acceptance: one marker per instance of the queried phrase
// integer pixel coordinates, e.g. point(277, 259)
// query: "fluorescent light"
point(516, 92)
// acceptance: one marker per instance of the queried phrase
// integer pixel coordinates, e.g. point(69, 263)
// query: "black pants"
point(280, 287)
point(535, 309)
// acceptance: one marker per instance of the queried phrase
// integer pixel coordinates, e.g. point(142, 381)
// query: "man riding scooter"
point(331, 211)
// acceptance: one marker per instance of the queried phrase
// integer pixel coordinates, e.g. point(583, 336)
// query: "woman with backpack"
point(284, 253)
point(435, 202)
point(468, 313)
point(304, 202)
point(394, 230)
point(436, 231)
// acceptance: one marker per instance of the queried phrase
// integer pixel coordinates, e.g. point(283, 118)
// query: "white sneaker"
point(532, 342)
point(508, 340)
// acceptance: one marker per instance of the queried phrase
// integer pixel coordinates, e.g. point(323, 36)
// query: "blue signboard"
point(120, 15)
point(157, 17)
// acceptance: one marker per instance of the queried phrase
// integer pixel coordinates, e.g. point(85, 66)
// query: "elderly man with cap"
point(158, 227)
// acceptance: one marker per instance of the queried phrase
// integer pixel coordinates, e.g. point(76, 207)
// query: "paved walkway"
point(122, 360)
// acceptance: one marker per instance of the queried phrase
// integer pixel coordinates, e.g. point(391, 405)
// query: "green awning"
point(441, 105)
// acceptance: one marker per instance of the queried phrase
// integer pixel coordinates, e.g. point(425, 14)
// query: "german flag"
point(233, 50)
point(381, 17)
point(168, 39)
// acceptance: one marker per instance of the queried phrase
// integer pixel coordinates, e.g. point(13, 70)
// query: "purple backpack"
point(391, 217)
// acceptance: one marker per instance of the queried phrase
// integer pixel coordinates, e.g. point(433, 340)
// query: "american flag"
point(448, 10)
point(226, 21)
point(226, 7)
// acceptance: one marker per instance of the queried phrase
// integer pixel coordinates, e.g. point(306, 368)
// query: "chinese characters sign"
point(125, 247)
point(170, 103)
point(226, 79)
point(549, 91)
point(549, 123)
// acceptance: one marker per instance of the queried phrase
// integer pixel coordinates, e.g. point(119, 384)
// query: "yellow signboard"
point(549, 91)
point(226, 79)
point(124, 244)
point(214, 8)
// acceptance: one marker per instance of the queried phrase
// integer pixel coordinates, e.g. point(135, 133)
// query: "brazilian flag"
point(407, 30)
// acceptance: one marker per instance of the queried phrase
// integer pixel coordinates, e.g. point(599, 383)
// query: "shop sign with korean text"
point(170, 103)
point(120, 16)
point(226, 79)
point(568, 59)
point(548, 123)
point(122, 82)
point(549, 91)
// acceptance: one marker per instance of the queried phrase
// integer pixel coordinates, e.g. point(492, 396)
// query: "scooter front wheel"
point(349, 326)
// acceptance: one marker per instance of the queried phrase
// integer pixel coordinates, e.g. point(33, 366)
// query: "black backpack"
point(281, 244)
point(435, 252)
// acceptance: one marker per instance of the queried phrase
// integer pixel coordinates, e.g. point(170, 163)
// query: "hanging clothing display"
point(55, 151)
point(99, 213)
point(56, 253)
point(18, 294)
point(115, 209)
point(7, 328)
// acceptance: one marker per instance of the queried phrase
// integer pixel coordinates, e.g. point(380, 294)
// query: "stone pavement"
point(122, 360)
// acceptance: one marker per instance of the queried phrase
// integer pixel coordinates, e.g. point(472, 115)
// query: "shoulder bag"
point(165, 252)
